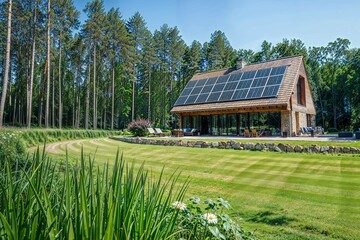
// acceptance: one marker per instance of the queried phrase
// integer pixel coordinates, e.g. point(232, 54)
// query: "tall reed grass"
point(85, 201)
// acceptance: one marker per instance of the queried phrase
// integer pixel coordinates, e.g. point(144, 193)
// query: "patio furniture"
point(159, 132)
point(152, 131)
point(247, 133)
point(345, 134)
point(177, 133)
point(191, 132)
point(255, 133)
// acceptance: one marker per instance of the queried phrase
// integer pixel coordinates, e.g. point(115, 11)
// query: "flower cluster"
point(210, 218)
point(207, 220)
point(179, 205)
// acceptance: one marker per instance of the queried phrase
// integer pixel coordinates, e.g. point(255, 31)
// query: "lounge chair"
point(247, 133)
point(151, 131)
point(159, 132)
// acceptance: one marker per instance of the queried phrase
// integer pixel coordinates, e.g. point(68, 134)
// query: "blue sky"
point(247, 23)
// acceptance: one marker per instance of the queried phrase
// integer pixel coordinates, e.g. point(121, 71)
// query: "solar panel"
point(240, 94)
point(196, 90)
point(222, 79)
point(255, 92)
point(235, 77)
point(218, 87)
point(226, 95)
point(206, 89)
point(201, 82)
point(191, 99)
point(213, 97)
point(275, 80)
point(263, 72)
point(271, 91)
point(262, 83)
point(202, 98)
point(186, 91)
point(248, 75)
point(230, 86)
point(180, 101)
point(244, 84)
point(191, 84)
point(258, 82)
point(278, 70)
point(211, 81)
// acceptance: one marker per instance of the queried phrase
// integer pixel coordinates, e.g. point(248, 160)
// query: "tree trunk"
point(133, 97)
point(60, 86)
point(112, 98)
point(7, 66)
point(149, 97)
point(48, 70)
point(87, 104)
point(53, 100)
point(334, 101)
point(78, 90)
point(31, 83)
point(94, 93)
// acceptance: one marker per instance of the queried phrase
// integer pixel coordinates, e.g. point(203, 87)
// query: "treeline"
point(109, 70)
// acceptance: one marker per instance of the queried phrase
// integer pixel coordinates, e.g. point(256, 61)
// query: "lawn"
point(281, 195)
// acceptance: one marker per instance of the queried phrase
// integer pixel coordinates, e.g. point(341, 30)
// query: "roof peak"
point(248, 64)
point(294, 56)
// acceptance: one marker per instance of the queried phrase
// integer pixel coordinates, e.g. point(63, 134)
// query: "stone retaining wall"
point(280, 147)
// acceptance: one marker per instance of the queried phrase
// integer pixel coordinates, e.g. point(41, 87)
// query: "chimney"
point(240, 64)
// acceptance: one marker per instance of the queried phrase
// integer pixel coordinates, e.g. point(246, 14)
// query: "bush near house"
point(138, 127)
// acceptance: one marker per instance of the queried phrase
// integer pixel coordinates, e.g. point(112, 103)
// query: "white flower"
point(210, 218)
point(179, 205)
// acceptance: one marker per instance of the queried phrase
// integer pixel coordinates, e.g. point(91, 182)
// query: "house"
point(272, 96)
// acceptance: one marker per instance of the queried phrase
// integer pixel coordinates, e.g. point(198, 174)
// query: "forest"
point(104, 72)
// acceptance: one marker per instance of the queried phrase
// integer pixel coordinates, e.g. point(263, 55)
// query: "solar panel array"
point(261, 83)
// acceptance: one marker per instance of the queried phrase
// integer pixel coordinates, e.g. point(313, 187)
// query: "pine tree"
point(7, 64)
point(94, 31)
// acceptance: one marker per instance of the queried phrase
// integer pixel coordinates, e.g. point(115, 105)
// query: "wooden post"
point(180, 120)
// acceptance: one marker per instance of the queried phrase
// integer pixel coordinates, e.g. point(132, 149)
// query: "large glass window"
point(301, 91)
point(231, 124)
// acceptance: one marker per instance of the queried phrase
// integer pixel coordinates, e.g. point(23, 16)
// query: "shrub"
point(207, 220)
point(33, 137)
point(139, 127)
point(12, 146)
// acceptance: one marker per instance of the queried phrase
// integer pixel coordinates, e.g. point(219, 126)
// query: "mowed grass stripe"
point(271, 181)
point(306, 181)
point(316, 191)
point(229, 165)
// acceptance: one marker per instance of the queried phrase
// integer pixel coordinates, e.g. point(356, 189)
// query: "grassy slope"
point(283, 196)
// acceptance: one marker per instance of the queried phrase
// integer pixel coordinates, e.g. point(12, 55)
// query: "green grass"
point(281, 195)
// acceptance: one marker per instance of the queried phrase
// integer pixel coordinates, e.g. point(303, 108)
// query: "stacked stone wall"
point(275, 147)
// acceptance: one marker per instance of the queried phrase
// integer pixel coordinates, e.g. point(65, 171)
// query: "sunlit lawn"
point(281, 195)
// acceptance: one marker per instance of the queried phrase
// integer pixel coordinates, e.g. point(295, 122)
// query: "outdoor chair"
point(247, 133)
point(159, 132)
point(254, 133)
point(152, 131)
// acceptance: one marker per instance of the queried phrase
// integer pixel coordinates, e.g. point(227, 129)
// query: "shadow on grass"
point(272, 218)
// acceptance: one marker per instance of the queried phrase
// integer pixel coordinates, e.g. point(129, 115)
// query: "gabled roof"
point(285, 91)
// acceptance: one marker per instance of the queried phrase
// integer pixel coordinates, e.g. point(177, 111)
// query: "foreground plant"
point(83, 201)
point(207, 220)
